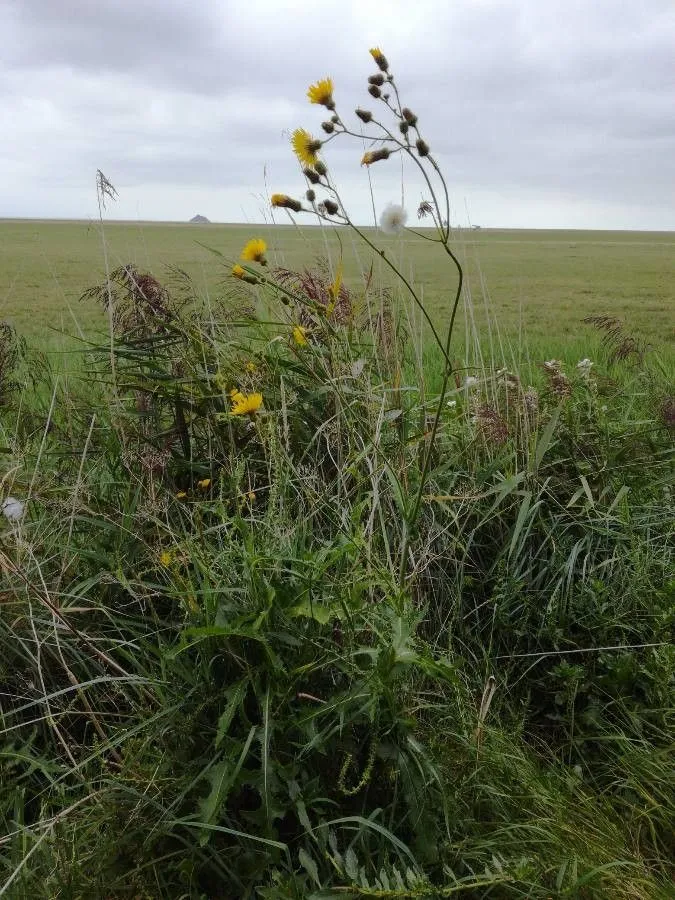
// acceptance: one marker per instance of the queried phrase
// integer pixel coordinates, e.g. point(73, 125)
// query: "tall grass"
point(391, 632)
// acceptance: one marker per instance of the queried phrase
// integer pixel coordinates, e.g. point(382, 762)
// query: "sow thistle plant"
point(393, 129)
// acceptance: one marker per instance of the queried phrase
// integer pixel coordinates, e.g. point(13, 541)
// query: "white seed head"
point(12, 509)
point(393, 219)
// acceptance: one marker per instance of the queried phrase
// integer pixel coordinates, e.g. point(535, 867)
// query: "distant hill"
point(199, 220)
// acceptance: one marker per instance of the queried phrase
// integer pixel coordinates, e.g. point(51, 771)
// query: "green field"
point(537, 284)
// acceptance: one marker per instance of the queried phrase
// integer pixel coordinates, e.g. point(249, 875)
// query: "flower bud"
point(422, 147)
point(374, 91)
point(364, 114)
point(403, 127)
point(320, 167)
point(311, 196)
point(330, 207)
point(376, 79)
point(283, 201)
point(311, 175)
point(409, 116)
point(328, 127)
point(372, 156)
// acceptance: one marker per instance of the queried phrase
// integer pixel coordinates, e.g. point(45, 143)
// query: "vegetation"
point(300, 600)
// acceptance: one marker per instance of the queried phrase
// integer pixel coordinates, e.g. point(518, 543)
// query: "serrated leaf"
point(309, 866)
point(351, 865)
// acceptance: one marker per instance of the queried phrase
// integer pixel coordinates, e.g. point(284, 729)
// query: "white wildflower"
point(393, 219)
point(452, 404)
point(584, 367)
point(470, 382)
point(12, 509)
point(553, 365)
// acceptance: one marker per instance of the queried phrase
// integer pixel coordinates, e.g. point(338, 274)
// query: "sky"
point(540, 113)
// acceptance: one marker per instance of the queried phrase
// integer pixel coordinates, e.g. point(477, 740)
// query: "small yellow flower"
point(373, 156)
point(379, 58)
point(251, 367)
point(283, 201)
point(305, 147)
point(203, 484)
point(322, 93)
point(238, 271)
point(165, 558)
point(300, 335)
point(251, 496)
point(254, 251)
point(181, 495)
point(243, 404)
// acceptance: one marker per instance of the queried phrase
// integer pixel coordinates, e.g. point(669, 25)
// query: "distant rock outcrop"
point(199, 220)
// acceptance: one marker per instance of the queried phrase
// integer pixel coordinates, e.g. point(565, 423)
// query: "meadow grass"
point(535, 284)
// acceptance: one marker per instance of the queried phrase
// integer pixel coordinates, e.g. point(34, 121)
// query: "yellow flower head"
point(379, 58)
point(285, 202)
point(238, 271)
point(254, 251)
point(305, 147)
point(181, 495)
point(245, 404)
point(373, 156)
point(204, 483)
point(165, 558)
point(300, 335)
point(250, 367)
point(322, 93)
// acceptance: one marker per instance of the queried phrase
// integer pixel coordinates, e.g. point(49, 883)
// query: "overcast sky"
point(542, 113)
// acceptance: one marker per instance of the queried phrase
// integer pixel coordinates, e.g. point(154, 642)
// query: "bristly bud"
point(373, 156)
point(320, 167)
point(364, 114)
point(283, 201)
point(422, 147)
point(311, 175)
point(311, 196)
point(385, 96)
point(328, 127)
point(374, 91)
point(376, 79)
point(335, 119)
point(330, 207)
point(403, 127)
point(409, 116)
point(380, 59)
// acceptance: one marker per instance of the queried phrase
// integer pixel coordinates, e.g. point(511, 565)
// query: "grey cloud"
point(568, 99)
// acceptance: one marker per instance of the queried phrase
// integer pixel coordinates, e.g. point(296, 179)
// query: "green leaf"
point(309, 866)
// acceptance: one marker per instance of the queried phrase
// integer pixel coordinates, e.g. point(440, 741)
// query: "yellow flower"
point(300, 335)
point(254, 251)
point(285, 202)
point(373, 156)
point(305, 147)
point(181, 495)
point(238, 271)
point(243, 404)
point(204, 483)
point(379, 58)
point(251, 496)
point(322, 93)
point(165, 558)
point(251, 367)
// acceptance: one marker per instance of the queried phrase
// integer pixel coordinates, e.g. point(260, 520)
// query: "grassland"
point(538, 285)
point(295, 614)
